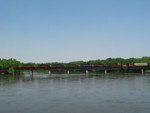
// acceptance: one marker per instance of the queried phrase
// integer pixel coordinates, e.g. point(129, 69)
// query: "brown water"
point(128, 93)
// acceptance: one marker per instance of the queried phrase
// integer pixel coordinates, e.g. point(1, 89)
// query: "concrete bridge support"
point(105, 71)
point(31, 74)
point(87, 72)
point(49, 74)
point(142, 71)
point(68, 73)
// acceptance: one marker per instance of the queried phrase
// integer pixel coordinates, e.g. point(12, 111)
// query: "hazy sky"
point(72, 30)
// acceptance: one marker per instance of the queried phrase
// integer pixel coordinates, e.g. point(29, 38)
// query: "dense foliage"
point(4, 63)
point(120, 60)
point(111, 61)
point(7, 62)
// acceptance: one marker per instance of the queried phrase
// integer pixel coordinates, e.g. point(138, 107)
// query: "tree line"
point(4, 63)
point(7, 62)
point(110, 61)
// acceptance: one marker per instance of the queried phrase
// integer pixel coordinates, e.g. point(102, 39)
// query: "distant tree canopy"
point(120, 60)
point(6, 62)
point(115, 60)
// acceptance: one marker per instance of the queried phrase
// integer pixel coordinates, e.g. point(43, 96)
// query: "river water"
point(127, 93)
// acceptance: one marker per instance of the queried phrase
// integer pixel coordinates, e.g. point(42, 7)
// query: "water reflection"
point(128, 93)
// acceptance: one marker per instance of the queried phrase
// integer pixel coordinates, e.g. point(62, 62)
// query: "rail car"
point(114, 65)
point(43, 65)
point(58, 67)
point(72, 66)
point(85, 66)
point(14, 66)
point(136, 64)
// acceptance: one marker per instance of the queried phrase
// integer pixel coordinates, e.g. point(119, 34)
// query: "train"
point(82, 65)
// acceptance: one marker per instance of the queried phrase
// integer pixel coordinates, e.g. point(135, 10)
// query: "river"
point(114, 93)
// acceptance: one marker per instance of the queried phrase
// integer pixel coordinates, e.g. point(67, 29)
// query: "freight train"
point(82, 65)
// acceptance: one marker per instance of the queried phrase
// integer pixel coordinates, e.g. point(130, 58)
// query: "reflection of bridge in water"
point(141, 67)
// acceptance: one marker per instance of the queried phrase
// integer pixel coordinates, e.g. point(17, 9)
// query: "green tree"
point(11, 70)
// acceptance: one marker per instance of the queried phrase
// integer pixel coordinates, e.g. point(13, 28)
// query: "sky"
point(72, 30)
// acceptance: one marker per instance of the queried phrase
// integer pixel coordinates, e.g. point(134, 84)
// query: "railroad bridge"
point(84, 67)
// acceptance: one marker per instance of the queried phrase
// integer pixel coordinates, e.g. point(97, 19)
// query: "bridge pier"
point(68, 73)
point(87, 72)
point(31, 74)
point(105, 71)
point(142, 71)
point(49, 74)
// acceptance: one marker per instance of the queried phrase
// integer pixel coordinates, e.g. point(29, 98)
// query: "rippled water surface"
point(128, 93)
